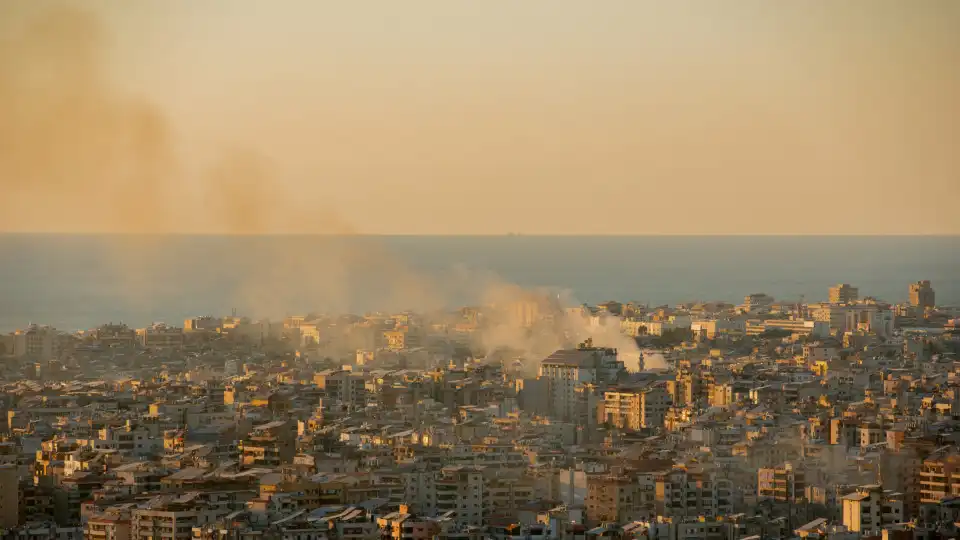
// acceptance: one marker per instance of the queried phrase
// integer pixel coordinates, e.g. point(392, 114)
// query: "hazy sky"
point(446, 116)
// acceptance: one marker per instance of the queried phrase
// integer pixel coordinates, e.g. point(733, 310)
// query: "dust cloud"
point(70, 144)
point(530, 324)
point(73, 144)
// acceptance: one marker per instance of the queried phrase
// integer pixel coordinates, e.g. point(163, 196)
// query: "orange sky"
point(439, 117)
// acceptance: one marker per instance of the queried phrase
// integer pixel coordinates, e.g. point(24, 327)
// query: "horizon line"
point(475, 235)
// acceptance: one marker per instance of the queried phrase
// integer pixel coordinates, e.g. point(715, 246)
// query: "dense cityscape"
point(525, 419)
point(438, 270)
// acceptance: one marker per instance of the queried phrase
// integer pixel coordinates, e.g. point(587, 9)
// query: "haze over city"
point(562, 117)
point(450, 270)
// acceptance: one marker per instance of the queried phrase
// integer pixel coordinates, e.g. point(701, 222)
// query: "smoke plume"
point(69, 143)
point(531, 324)
point(72, 143)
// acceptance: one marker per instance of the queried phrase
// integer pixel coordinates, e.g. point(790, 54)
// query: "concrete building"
point(922, 295)
point(786, 483)
point(401, 338)
point(342, 388)
point(637, 407)
point(702, 530)
point(462, 490)
point(835, 315)
point(617, 497)
point(269, 445)
point(172, 518)
point(108, 527)
point(755, 302)
point(939, 478)
point(129, 440)
point(115, 335)
point(404, 525)
point(802, 327)
point(844, 294)
point(712, 328)
point(870, 509)
point(39, 342)
point(161, 336)
point(567, 369)
point(203, 324)
point(869, 318)
point(693, 492)
point(684, 389)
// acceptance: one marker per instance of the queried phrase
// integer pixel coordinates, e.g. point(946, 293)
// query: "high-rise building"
point(844, 293)
point(566, 369)
point(922, 295)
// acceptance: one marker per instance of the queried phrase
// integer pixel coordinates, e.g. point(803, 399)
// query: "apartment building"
point(869, 318)
point(108, 527)
point(269, 445)
point(922, 295)
point(684, 389)
point(801, 327)
point(39, 342)
point(636, 407)
point(418, 488)
point(402, 338)
point(129, 440)
point(205, 324)
point(404, 525)
point(633, 326)
point(160, 336)
point(755, 302)
point(462, 490)
point(693, 492)
point(172, 518)
point(696, 529)
point(342, 388)
point(844, 293)
point(119, 335)
point(712, 328)
point(505, 496)
point(566, 369)
point(870, 509)
point(940, 477)
point(785, 483)
point(834, 315)
point(621, 495)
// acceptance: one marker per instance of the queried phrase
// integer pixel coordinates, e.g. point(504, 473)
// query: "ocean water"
point(75, 282)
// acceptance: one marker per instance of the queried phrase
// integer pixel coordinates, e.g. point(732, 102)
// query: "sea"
point(78, 282)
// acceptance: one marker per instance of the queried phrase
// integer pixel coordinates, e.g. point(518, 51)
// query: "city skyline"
point(438, 270)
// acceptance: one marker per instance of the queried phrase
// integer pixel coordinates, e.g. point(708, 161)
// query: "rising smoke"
point(72, 144)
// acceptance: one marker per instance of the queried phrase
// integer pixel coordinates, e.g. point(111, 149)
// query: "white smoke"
point(534, 324)
point(654, 360)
